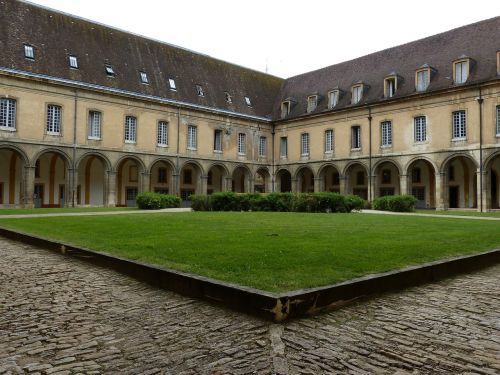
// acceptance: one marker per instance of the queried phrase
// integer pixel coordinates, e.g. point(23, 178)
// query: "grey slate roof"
point(55, 35)
point(479, 41)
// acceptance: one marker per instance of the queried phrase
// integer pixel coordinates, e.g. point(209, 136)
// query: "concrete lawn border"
point(271, 306)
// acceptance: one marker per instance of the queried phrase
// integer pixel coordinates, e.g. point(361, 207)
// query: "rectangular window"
point(422, 80)
point(498, 120)
point(390, 87)
point(262, 147)
point(420, 128)
point(329, 140)
point(304, 144)
point(228, 97)
point(192, 140)
point(242, 147)
point(333, 98)
point(283, 147)
point(459, 125)
point(53, 119)
point(29, 52)
point(356, 137)
point(312, 102)
point(171, 83)
point(73, 62)
point(386, 133)
point(218, 140)
point(94, 125)
point(162, 134)
point(8, 113)
point(109, 70)
point(248, 101)
point(285, 109)
point(357, 94)
point(130, 129)
point(199, 90)
point(162, 175)
point(144, 77)
point(461, 71)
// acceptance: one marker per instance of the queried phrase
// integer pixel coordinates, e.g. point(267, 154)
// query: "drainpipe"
point(480, 102)
point(370, 188)
point(177, 161)
point(73, 177)
point(273, 168)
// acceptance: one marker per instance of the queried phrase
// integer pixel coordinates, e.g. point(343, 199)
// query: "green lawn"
point(29, 211)
point(460, 213)
point(271, 251)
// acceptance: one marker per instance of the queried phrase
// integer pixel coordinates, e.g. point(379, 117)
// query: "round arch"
point(241, 179)
point(99, 155)
point(126, 157)
point(62, 154)
point(354, 164)
point(217, 178)
point(445, 162)
point(460, 182)
point(262, 180)
point(17, 149)
point(378, 163)
point(329, 175)
point(194, 163)
point(283, 180)
point(421, 180)
point(356, 179)
point(13, 190)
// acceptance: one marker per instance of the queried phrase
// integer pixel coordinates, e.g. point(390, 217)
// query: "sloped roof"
point(56, 35)
point(479, 41)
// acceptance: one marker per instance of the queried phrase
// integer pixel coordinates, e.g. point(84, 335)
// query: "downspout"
point(177, 161)
point(74, 174)
point(480, 102)
point(273, 167)
point(370, 187)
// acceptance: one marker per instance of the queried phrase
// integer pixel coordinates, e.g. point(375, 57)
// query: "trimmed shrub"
point(354, 203)
point(200, 202)
point(154, 201)
point(395, 203)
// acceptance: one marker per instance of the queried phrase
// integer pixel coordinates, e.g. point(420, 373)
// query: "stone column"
point(204, 185)
point(317, 184)
point(403, 184)
point(250, 186)
point(111, 188)
point(485, 196)
point(71, 184)
point(228, 183)
point(294, 185)
point(343, 184)
point(145, 182)
point(373, 192)
point(441, 194)
point(29, 186)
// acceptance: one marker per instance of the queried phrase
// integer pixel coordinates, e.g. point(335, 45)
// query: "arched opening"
point(11, 178)
point(241, 177)
point(357, 180)
point(51, 181)
point(422, 183)
point(386, 179)
point(91, 188)
point(128, 185)
point(330, 179)
point(216, 177)
point(460, 183)
point(190, 182)
point(305, 180)
point(283, 181)
point(161, 177)
point(262, 181)
point(493, 167)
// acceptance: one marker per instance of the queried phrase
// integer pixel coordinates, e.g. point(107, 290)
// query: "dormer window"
point(73, 62)
point(422, 78)
point(29, 52)
point(312, 103)
point(356, 93)
point(248, 101)
point(390, 85)
point(285, 109)
point(498, 63)
point(199, 90)
point(172, 85)
point(333, 98)
point(461, 71)
point(144, 77)
point(228, 97)
point(110, 72)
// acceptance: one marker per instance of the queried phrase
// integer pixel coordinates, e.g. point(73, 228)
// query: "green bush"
point(154, 201)
point(395, 203)
point(277, 202)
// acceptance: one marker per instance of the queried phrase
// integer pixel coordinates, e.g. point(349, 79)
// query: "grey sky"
point(289, 37)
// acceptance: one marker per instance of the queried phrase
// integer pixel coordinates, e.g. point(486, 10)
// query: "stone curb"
point(271, 306)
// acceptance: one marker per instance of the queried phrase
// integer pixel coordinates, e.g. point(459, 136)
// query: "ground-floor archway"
point(12, 189)
point(241, 180)
point(52, 181)
point(216, 179)
point(128, 182)
point(161, 177)
point(305, 180)
point(92, 176)
point(386, 179)
point(329, 179)
point(262, 181)
point(460, 183)
point(283, 181)
point(356, 177)
point(190, 181)
point(493, 182)
point(422, 183)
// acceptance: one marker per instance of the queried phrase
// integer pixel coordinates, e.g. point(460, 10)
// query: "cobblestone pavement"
point(63, 316)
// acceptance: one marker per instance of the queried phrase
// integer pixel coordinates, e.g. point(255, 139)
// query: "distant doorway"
point(454, 196)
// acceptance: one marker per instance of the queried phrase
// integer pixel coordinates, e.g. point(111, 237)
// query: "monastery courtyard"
point(63, 316)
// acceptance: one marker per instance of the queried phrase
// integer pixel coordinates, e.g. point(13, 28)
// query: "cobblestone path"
point(63, 316)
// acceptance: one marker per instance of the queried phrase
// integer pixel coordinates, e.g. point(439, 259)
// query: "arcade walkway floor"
point(63, 316)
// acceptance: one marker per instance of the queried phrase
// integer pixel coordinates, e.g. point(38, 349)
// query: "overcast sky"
point(285, 37)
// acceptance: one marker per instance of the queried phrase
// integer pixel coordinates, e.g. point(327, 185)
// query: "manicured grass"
point(460, 213)
point(29, 211)
point(271, 251)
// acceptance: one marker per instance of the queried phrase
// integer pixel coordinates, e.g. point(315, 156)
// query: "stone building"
point(92, 115)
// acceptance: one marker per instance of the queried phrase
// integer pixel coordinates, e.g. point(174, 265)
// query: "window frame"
point(228, 97)
point(248, 101)
point(262, 146)
point(459, 63)
point(283, 147)
point(333, 94)
point(359, 88)
point(29, 51)
point(73, 62)
point(498, 121)
point(498, 63)
point(192, 137)
point(419, 131)
point(328, 141)
point(422, 88)
point(312, 103)
point(305, 146)
point(218, 140)
point(109, 70)
point(462, 130)
point(57, 121)
point(171, 84)
point(91, 125)
point(242, 144)
point(199, 90)
point(387, 80)
point(130, 130)
point(386, 133)
point(10, 114)
point(162, 135)
point(143, 76)
point(356, 137)
point(285, 108)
